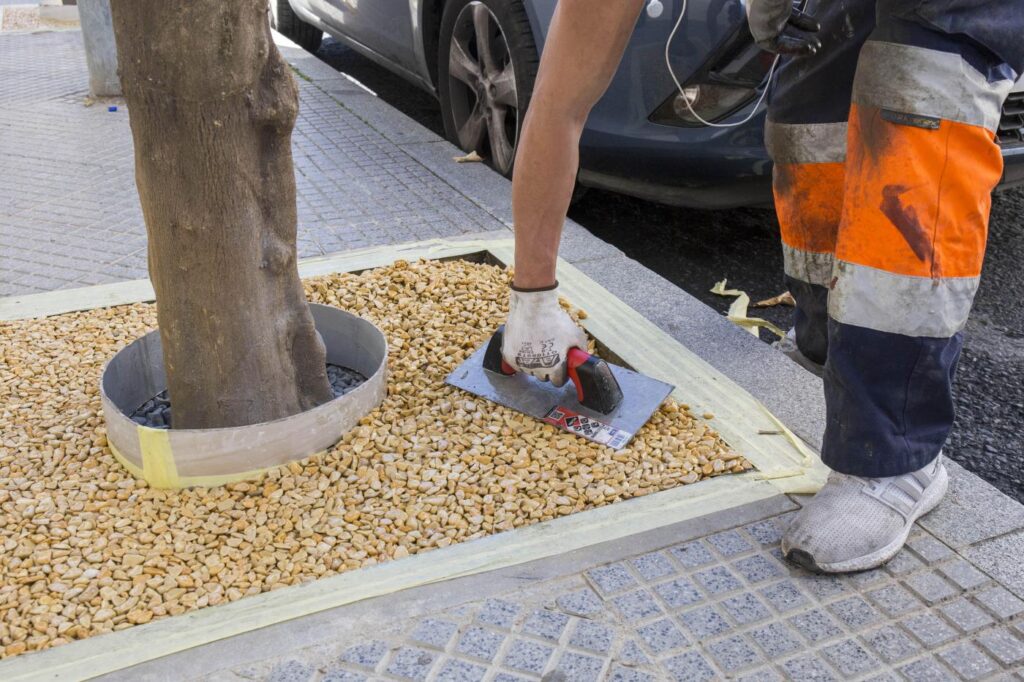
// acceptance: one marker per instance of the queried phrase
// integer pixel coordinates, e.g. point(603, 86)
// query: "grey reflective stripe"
point(900, 304)
point(916, 80)
point(806, 142)
point(807, 266)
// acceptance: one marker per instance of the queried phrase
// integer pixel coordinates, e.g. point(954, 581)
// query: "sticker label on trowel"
point(588, 427)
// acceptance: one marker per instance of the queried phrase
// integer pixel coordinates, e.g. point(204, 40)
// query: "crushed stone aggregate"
point(86, 548)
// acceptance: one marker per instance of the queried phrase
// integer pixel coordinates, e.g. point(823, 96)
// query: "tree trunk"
point(212, 105)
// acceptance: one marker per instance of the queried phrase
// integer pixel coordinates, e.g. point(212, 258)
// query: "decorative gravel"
point(85, 548)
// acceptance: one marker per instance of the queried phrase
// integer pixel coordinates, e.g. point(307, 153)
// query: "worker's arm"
point(584, 46)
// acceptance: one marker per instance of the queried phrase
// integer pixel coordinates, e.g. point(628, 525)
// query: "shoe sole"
point(933, 494)
point(794, 354)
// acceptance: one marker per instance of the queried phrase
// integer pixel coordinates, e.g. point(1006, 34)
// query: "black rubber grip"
point(493, 362)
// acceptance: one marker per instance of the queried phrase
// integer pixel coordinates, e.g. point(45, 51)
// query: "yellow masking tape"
point(104, 654)
point(189, 481)
point(125, 462)
point(157, 459)
point(783, 465)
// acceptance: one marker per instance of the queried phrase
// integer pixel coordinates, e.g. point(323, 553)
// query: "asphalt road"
point(694, 249)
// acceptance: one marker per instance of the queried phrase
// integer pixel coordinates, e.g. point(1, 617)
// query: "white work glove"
point(779, 27)
point(539, 334)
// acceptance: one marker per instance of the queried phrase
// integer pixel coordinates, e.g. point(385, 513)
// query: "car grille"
point(1011, 125)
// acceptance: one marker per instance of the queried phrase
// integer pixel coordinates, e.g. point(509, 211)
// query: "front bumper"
point(1013, 167)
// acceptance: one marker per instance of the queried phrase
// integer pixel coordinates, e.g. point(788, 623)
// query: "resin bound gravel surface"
point(87, 548)
point(156, 412)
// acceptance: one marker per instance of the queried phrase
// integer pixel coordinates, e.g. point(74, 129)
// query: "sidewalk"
point(704, 599)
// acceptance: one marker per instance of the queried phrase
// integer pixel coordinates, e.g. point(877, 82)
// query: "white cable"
point(686, 100)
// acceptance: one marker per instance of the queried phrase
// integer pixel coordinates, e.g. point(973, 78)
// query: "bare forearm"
point(583, 49)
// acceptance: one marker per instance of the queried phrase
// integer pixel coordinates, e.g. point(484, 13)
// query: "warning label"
point(588, 427)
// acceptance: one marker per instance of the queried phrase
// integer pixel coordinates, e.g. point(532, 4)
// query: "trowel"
point(601, 402)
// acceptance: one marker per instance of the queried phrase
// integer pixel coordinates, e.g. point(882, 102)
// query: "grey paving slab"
point(965, 616)
point(652, 566)
point(654, 615)
point(434, 632)
point(892, 644)
point(968, 661)
point(488, 190)
point(972, 511)
point(611, 579)
point(581, 603)
point(1003, 559)
point(678, 593)
point(291, 671)
point(746, 608)
point(546, 624)
point(928, 547)
point(492, 193)
point(931, 587)
point(734, 653)
point(592, 636)
point(963, 574)
point(930, 628)
point(68, 173)
point(894, 600)
point(692, 554)
point(1003, 645)
point(637, 606)
point(926, 670)
point(390, 123)
point(499, 612)
point(661, 636)
point(480, 642)
point(1000, 601)
point(456, 670)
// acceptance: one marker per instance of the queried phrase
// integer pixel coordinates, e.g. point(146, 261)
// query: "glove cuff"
point(524, 290)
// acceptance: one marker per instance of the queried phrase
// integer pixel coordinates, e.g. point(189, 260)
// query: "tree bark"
point(212, 105)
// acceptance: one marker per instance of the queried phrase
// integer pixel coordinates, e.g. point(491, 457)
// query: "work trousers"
point(885, 160)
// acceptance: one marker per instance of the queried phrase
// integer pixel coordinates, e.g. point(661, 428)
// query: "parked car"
point(480, 57)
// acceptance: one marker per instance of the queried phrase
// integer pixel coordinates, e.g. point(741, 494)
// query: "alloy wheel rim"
point(484, 100)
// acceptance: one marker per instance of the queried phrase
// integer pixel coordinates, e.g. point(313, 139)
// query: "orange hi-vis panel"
point(809, 202)
point(917, 198)
point(808, 187)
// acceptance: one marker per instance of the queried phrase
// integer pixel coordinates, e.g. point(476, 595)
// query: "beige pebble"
point(94, 550)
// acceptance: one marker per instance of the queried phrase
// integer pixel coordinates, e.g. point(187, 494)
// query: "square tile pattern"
point(69, 209)
point(721, 607)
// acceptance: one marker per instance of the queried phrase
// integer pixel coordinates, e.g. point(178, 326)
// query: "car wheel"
point(288, 24)
point(487, 63)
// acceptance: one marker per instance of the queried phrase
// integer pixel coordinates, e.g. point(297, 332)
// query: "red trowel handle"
point(596, 387)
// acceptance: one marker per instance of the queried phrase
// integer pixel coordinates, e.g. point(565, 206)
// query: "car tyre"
point(284, 19)
point(487, 65)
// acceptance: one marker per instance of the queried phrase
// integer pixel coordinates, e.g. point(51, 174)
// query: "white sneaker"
point(789, 348)
point(854, 523)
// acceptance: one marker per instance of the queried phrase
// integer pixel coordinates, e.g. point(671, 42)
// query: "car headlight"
point(731, 78)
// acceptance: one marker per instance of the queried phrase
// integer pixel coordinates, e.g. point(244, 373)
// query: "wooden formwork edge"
point(783, 464)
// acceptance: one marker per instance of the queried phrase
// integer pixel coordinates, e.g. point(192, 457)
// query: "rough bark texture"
point(212, 105)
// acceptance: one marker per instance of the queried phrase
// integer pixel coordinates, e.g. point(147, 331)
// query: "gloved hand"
point(779, 27)
point(539, 334)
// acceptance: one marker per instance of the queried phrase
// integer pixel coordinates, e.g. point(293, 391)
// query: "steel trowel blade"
point(642, 395)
